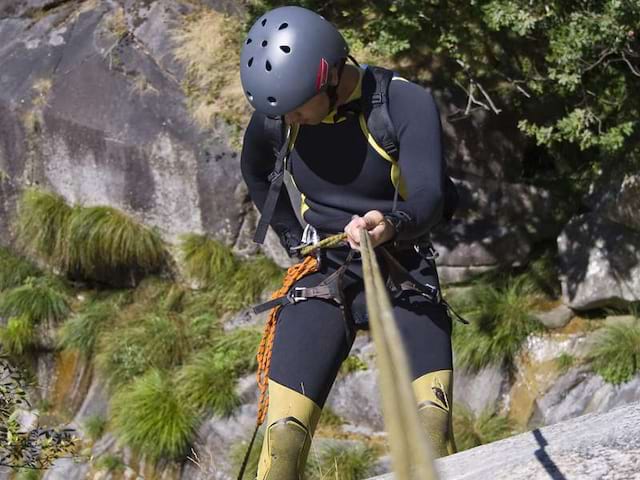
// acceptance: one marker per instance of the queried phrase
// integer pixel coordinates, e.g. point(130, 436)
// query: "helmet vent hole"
point(250, 62)
point(264, 22)
point(264, 43)
point(272, 101)
point(283, 26)
point(285, 48)
point(268, 66)
point(249, 41)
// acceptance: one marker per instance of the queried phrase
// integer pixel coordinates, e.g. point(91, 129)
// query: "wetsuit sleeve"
point(417, 121)
point(257, 162)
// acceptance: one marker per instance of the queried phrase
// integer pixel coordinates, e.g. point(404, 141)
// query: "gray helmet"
point(286, 59)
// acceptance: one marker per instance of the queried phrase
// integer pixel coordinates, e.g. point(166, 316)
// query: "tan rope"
point(329, 242)
point(411, 454)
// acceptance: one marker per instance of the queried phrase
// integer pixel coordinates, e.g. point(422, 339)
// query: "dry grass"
point(116, 23)
point(208, 44)
point(41, 87)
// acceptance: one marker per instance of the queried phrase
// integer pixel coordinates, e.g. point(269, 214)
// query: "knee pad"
point(286, 445)
point(433, 394)
point(291, 421)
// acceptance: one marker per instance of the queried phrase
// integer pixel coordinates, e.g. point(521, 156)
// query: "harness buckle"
point(274, 175)
point(430, 254)
point(296, 294)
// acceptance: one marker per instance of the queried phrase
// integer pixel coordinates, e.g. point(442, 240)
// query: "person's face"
point(310, 113)
point(314, 110)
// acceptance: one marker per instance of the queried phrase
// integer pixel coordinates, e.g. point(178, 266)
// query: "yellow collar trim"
point(357, 93)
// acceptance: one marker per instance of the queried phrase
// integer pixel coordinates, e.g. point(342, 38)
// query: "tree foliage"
point(569, 70)
point(35, 448)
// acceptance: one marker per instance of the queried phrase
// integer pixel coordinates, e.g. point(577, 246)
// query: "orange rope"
point(294, 273)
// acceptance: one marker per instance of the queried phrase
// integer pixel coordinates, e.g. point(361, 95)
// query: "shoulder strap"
point(276, 128)
point(375, 106)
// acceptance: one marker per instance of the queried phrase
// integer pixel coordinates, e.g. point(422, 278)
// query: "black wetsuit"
point(340, 173)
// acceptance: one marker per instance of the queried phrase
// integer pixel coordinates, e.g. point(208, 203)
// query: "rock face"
point(603, 446)
point(496, 224)
point(100, 117)
point(599, 263)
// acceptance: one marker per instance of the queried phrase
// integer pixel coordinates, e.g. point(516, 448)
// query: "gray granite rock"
point(593, 446)
point(599, 263)
point(480, 391)
point(356, 399)
point(620, 201)
point(557, 317)
point(92, 138)
point(580, 391)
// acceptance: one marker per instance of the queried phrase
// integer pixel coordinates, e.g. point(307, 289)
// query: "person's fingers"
point(372, 218)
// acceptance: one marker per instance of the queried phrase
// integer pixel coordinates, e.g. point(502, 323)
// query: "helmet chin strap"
point(332, 90)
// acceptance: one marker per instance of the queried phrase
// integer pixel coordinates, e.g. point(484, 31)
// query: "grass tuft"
point(95, 243)
point(209, 380)
point(500, 323)
point(111, 463)
point(149, 416)
point(14, 270)
point(206, 260)
point(565, 361)
point(615, 354)
point(208, 45)
point(39, 299)
point(103, 239)
point(471, 431)
point(18, 336)
point(248, 282)
point(82, 330)
point(344, 462)
point(43, 218)
point(352, 364)
point(158, 340)
point(95, 426)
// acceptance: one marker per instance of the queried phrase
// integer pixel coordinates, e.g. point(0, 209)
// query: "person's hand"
point(380, 230)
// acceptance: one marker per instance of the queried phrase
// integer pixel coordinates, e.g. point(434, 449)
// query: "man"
point(293, 65)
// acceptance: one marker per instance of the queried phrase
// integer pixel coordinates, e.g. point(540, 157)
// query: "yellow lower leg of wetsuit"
point(433, 392)
point(291, 422)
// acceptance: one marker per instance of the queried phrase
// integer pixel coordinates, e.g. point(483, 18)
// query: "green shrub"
point(149, 416)
point(329, 418)
point(248, 282)
point(157, 340)
point(102, 239)
point(39, 299)
point(500, 323)
point(95, 426)
point(344, 462)
point(110, 463)
point(352, 364)
point(18, 335)
point(14, 270)
point(206, 260)
point(209, 380)
point(27, 474)
point(470, 432)
point(81, 331)
point(43, 220)
point(615, 354)
point(565, 361)
point(97, 243)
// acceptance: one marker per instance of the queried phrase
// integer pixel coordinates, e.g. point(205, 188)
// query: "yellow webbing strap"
point(411, 453)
